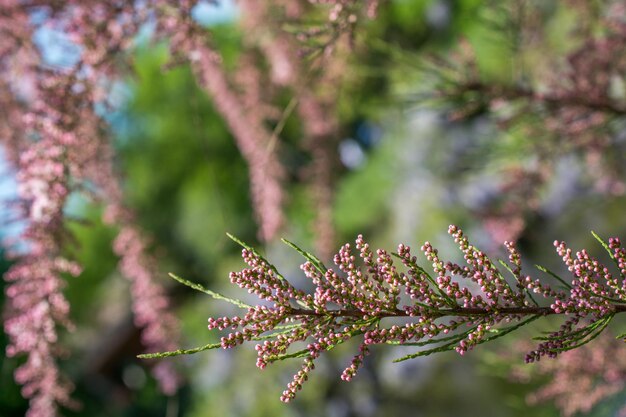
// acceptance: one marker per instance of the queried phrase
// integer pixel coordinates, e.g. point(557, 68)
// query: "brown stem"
point(445, 312)
point(556, 100)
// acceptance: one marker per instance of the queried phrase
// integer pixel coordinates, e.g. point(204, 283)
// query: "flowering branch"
point(456, 308)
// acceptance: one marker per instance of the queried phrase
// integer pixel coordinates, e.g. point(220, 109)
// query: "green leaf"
point(213, 294)
point(457, 338)
point(555, 276)
point(574, 334)
point(443, 348)
point(605, 322)
point(298, 354)
point(608, 250)
point(317, 263)
point(507, 267)
point(503, 332)
point(179, 352)
point(604, 244)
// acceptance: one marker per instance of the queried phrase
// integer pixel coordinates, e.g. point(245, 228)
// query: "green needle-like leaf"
point(443, 348)
point(213, 294)
point(608, 250)
point(317, 263)
point(604, 322)
point(179, 352)
point(555, 276)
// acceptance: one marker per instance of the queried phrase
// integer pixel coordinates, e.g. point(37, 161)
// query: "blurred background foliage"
point(409, 171)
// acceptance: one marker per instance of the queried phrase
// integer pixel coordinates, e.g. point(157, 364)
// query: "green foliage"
point(92, 249)
point(175, 127)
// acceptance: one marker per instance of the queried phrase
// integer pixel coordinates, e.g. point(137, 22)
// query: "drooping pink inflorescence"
point(151, 306)
point(37, 306)
point(580, 378)
point(57, 143)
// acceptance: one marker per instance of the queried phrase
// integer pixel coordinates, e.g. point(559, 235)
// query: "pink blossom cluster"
point(151, 306)
point(249, 101)
point(58, 145)
point(572, 101)
point(369, 298)
point(580, 379)
point(253, 139)
point(312, 64)
point(37, 306)
point(42, 181)
point(594, 293)
point(598, 374)
point(338, 7)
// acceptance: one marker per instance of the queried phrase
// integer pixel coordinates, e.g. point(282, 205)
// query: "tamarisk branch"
point(371, 299)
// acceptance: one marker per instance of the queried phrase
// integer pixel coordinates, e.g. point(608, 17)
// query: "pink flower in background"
point(37, 306)
point(151, 308)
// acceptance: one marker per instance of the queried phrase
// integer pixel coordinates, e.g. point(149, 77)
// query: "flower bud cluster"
point(482, 271)
point(349, 10)
point(583, 377)
point(36, 306)
point(299, 378)
point(357, 361)
point(589, 292)
point(557, 342)
point(263, 280)
point(619, 256)
point(457, 307)
point(594, 294)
